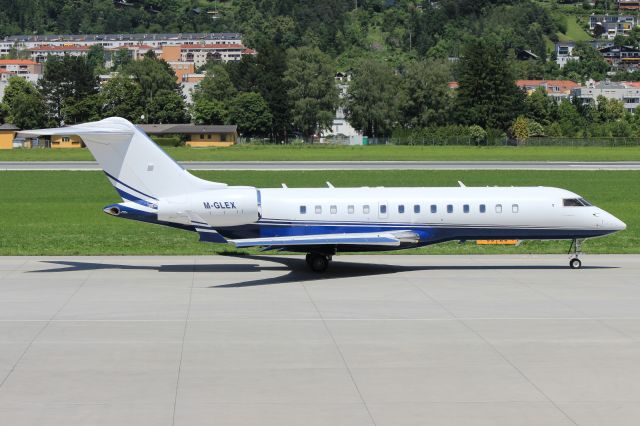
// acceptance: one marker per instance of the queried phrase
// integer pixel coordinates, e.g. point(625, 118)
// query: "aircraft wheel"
point(575, 263)
point(317, 262)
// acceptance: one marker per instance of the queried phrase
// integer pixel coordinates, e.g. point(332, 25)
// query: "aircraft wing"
point(390, 238)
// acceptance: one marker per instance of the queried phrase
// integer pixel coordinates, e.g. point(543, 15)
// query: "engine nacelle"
point(218, 207)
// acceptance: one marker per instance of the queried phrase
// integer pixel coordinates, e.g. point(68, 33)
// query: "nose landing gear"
point(574, 262)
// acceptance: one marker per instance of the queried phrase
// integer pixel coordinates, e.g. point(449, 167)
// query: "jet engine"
point(218, 207)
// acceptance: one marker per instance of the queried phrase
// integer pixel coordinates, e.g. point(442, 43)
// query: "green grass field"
point(60, 213)
point(351, 153)
point(575, 32)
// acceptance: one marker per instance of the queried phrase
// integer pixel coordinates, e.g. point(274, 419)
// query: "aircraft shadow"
point(296, 267)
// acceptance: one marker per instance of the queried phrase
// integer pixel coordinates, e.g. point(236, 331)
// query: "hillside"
point(396, 30)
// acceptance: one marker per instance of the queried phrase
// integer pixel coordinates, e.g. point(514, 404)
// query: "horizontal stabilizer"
point(391, 239)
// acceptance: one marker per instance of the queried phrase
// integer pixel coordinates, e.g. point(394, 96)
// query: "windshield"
point(575, 202)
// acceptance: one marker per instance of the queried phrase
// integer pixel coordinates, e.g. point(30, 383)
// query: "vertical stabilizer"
point(135, 165)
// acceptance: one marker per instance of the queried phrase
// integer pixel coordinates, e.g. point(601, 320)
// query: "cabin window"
point(383, 209)
point(318, 209)
point(449, 208)
point(498, 208)
point(416, 208)
point(514, 208)
point(400, 209)
point(333, 209)
point(365, 209)
point(483, 208)
point(434, 208)
point(465, 208)
point(350, 209)
point(303, 209)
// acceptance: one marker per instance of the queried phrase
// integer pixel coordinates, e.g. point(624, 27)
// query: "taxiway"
point(384, 340)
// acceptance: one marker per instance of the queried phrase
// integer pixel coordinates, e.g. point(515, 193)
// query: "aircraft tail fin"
point(135, 165)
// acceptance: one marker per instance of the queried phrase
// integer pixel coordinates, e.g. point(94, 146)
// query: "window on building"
point(303, 209)
point(498, 208)
point(201, 136)
point(333, 209)
point(465, 208)
point(318, 209)
point(483, 208)
point(434, 208)
point(400, 209)
point(416, 208)
point(514, 208)
point(365, 209)
point(350, 209)
point(449, 208)
point(65, 139)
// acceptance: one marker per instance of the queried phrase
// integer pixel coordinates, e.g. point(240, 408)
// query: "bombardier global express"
point(324, 221)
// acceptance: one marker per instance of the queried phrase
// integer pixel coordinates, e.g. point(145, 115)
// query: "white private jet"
point(324, 221)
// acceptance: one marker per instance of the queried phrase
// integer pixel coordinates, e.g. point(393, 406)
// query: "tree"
point(610, 110)
point(66, 81)
point(371, 104)
point(121, 97)
point(208, 111)
point(478, 135)
point(570, 120)
point(427, 94)
point(250, 112)
point(121, 58)
point(95, 59)
point(23, 104)
point(166, 106)
point(271, 66)
point(487, 94)
point(520, 129)
point(312, 91)
point(156, 79)
point(540, 107)
point(216, 86)
point(591, 64)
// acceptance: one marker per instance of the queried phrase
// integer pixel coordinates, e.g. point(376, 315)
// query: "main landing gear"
point(576, 246)
point(318, 262)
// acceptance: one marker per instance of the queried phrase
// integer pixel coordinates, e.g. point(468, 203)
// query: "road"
point(377, 340)
point(344, 165)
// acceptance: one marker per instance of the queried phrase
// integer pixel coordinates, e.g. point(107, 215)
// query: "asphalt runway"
point(378, 340)
point(344, 165)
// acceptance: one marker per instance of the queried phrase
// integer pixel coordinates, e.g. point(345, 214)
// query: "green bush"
point(167, 140)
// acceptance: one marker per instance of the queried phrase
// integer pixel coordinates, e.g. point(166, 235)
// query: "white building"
point(611, 25)
point(627, 92)
point(24, 42)
point(564, 53)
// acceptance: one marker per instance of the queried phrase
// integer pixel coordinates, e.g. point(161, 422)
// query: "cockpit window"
point(585, 202)
point(575, 202)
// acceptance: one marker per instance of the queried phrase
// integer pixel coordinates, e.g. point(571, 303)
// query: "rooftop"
point(17, 62)
point(118, 37)
point(168, 129)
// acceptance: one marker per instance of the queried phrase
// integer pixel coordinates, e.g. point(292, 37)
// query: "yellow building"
point(197, 136)
point(7, 135)
point(63, 142)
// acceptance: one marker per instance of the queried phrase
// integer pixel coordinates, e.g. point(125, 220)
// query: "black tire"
point(575, 264)
point(318, 262)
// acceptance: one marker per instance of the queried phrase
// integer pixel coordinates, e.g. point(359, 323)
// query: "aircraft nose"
point(613, 223)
